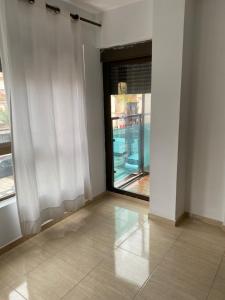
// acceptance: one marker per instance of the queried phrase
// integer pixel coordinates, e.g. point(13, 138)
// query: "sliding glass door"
point(128, 118)
point(127, 87)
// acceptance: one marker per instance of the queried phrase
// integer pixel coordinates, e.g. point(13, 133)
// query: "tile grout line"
point(157, 266)
point(58, 252)
point(117, 247)
point(140, 291)
point(20, 294)
point(214, 279)
point(40, 263)
point(14, 290)
point(138, 227)
point(76, 284)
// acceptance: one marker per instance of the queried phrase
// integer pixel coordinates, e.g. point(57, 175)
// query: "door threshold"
point(126, 197)
point(130, 194)
point(130, 181)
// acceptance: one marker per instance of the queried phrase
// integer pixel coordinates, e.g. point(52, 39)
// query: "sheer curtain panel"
point(45, 79)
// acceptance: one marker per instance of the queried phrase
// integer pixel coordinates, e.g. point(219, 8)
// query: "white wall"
point(206, 195)
point(168, 30)
point(188, 173)
point(9, 222)
point(127, 24)
point(186, 87)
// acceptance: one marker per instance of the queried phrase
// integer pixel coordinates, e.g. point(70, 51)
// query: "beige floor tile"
point(85, 217)
point(96, 291)
point(53, 239)
point(198, 226)
point(159, 229)
point(188, 248)
point(111, 234)
point(127, 266)
point(7, 293)
point(160, 290)
point(130, 213)
point(207, 245)
point(118, 277)
point(50, 280)
point(121, 209)
point(109, 230)
point(188, 269)
point(7, 274)
point(191, 265)
point(204, 236)
point(110, 250)
point(98, 246)
point(81, 257)
point(185, 279)
point(221, 272)
point(218, 290)
point(148, 244)
point(25, 257)
point(184, 247)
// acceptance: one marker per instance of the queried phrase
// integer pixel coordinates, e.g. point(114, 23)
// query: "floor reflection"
point(131, 268)
point(110, 250)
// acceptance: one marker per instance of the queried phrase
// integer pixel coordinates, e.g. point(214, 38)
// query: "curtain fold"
point(47, 87)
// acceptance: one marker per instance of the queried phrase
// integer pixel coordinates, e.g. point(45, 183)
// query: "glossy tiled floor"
point(110, 251)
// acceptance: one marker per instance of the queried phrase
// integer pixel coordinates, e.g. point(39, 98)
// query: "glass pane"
point(7, 187)
point(6, 176)
point(4, 114)
point(131, 119)
point(147, 122)
point(126, 105)
point(127, 126)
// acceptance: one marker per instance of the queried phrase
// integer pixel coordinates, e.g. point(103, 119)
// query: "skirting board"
point(187, 215)
point(161, 219)
point(181, 219)
point(207, 220)
point(47, 225)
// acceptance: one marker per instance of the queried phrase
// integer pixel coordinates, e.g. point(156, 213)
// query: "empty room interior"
point(112, 150)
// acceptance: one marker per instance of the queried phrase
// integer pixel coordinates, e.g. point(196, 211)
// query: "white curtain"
point(43, 58)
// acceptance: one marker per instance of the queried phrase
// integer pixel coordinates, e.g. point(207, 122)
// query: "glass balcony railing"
point(131, 120)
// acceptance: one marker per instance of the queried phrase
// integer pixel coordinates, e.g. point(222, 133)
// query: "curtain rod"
point(53, 8)
point(77, 17)
point(73, 16)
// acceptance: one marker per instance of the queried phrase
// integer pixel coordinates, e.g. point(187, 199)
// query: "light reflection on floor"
point(110, 250)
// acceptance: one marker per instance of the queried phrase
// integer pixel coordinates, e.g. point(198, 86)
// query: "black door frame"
point(128, 54)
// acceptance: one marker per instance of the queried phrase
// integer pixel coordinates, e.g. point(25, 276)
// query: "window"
point(7, 188)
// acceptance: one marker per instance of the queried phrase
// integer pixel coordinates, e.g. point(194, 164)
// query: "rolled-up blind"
point(136, 75)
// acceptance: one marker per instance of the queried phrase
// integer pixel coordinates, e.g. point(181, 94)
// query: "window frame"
point(5, 148)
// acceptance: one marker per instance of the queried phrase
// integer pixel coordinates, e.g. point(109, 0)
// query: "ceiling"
point(103, 5)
